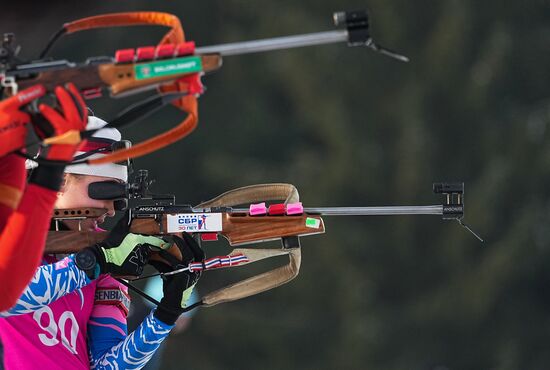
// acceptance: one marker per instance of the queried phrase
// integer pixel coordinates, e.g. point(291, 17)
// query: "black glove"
point(177, 288)
point(121, 254)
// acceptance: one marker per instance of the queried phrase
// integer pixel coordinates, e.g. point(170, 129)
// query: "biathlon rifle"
point(286, 220)
point(174, 67)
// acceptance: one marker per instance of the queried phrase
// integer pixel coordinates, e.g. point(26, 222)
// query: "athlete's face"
point(74, 194)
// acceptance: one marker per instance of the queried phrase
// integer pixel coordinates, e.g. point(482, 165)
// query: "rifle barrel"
point(376, 211)
point(368, 211)
point(276, 43)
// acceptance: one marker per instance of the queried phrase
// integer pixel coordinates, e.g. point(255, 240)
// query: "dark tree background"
point(350, 127)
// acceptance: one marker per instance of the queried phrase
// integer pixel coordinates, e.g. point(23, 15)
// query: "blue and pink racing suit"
point(65, 321)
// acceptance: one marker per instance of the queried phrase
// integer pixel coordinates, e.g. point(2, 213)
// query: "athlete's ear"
point(63, 186)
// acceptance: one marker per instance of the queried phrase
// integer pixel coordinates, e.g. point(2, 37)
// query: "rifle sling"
point(267, 280)
point(254, 193)
point(257, 284)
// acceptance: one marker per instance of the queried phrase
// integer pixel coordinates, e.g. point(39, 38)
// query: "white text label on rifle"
point(194, 222)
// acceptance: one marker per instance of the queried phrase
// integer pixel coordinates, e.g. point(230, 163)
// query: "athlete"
point(25, 209)
point(73, 314)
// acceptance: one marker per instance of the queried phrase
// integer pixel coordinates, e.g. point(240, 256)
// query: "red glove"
point(71, 115)
point(13, 121)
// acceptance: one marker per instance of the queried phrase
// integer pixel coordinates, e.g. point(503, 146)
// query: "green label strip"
point(313, 223)
point(168, 67)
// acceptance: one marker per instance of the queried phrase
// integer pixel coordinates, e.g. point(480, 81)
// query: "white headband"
point(113, 170)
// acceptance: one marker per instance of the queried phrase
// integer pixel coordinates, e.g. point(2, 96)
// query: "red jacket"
point(25, 213)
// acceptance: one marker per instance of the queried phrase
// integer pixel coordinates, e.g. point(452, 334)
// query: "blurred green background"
point(351, 127)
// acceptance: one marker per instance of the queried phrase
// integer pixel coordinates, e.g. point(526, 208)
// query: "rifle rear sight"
point(139, 189)
point(121, 194)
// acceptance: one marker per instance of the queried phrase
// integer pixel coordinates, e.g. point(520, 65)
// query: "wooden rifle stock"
point(117, 77)
point(246, 229)
point(237, 228)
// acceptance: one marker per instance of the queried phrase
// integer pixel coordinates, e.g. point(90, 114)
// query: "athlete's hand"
point(121, 254)
point(71, 115)
point(13, 121)
point(177, 288)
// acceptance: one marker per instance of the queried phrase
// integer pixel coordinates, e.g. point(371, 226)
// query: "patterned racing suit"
point(65, 321)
